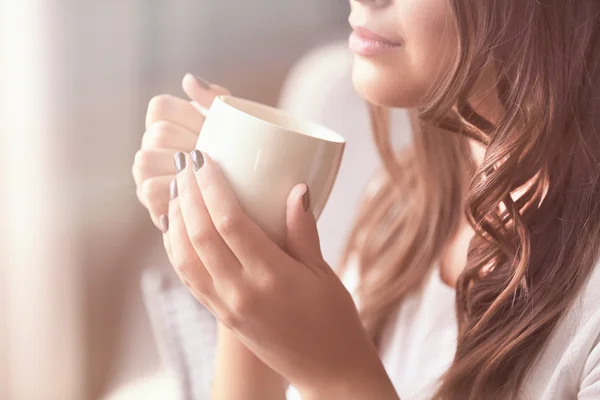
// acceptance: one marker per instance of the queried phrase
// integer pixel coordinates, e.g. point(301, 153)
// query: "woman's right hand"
point(172, 125)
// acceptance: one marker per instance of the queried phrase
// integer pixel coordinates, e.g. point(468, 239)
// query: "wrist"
point(239, 374)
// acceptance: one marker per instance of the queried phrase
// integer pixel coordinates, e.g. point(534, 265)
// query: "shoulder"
point(583, 317)
point(570, 362)
point(588, 300)
point(582, 320)
point(585, 328)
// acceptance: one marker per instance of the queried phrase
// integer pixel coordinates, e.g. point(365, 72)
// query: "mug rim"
point(330, 135)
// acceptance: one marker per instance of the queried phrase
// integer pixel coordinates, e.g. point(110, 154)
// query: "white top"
point(419, 344)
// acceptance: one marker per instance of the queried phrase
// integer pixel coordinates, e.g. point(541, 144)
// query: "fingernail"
point(164, 223)
point(203, 83)
point(306, 199)
point(197, 159)
point(179, 161)
point(173, 189)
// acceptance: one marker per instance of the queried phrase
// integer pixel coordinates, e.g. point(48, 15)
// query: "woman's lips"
point(366, 43)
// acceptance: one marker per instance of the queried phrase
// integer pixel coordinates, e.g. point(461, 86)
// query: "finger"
point(140, 196)
point(149, 163)
point(208, 244)
point(210, 305)
point(201, 91)
point(168, 135)
point(165, 107)
point(154, 218)
point(245, 239)
point(155, 195)
point(302, 238)
point(163, 225)
point(184, 258)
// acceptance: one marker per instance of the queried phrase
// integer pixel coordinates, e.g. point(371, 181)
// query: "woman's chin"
point(385, 90)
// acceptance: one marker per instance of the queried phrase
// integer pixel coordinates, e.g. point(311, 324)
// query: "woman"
point(475, 251)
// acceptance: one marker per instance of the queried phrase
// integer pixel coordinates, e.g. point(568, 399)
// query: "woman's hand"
point(288, 307)
point(172, 125)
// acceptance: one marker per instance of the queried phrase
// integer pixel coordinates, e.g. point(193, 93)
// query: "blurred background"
point(84, 72)
point(76, 77)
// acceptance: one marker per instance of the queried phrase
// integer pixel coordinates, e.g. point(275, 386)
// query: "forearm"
point(368, 382)
point(358, 390)
point(240, 375)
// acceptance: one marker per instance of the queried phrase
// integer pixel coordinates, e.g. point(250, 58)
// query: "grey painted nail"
point(164, 223)
point(179, 161)
point(306, 199)
point(173, 189)
point(197, 159)
point(203, 83)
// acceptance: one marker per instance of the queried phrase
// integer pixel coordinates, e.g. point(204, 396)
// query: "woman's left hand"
point(288, 307)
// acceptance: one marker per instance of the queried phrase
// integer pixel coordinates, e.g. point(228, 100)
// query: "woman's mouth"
point(366, 43)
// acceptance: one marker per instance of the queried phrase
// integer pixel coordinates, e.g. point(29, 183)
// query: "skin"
point(232, 267)
point(172, 125)
point(402, 76)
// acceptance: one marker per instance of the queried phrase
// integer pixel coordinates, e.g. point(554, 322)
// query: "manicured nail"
point(197, 159)
point(163, 220)
point(306, 199)
point(203, 83)
point(173, 189)
point(179, 161)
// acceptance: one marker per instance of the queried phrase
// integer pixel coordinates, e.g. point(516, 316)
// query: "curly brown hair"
point(530, 254)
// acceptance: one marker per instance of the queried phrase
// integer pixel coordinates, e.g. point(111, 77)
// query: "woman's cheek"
point(404, 76)
point(432, 43)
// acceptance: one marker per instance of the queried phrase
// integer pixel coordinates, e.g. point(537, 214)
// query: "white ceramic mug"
point(264, 152)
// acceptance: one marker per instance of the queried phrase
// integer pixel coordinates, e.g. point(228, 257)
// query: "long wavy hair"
point(531, 254)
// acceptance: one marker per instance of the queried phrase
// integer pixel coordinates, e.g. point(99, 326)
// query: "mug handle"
point(201, 109)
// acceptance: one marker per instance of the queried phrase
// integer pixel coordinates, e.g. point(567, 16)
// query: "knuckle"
point(137, 168)
point(161, 127)
point(239, 301)
point(159, 105)
point(156, 195)
point(228, 225)
point(158, 135)
point(201, 236)
point(140, 160)
point(141, 198)
point(140, 195)
point(149, 189)
point(268, 282)
point(240, 304)
point(229, 318)
point(142, 165)
point(185, 265)
point(134, 173)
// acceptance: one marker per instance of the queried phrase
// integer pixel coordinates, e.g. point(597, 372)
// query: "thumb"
point(302, 238)
point(200, 91)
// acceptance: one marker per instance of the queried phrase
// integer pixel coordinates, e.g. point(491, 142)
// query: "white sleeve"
point(589, 388)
